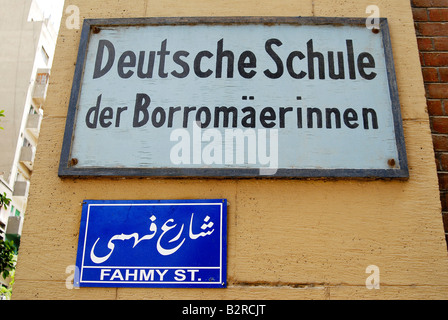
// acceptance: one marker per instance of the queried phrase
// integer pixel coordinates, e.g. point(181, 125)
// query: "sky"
point(52, 9)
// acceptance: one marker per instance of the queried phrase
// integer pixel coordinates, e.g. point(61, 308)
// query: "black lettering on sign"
point(142, 102)
point(100, 71)
point(278, 62)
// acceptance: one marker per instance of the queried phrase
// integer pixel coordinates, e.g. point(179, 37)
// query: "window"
point(2, 229)
point(32, 110)
point(45, 56)
point(14, 212)
point(42, 78)
point(26, 143)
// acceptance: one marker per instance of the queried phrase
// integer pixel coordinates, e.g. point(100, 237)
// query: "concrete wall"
point(287, 239)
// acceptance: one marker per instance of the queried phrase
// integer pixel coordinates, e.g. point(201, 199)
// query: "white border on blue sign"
point(220, 267)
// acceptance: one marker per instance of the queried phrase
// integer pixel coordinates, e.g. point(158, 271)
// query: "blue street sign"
point(152, 243)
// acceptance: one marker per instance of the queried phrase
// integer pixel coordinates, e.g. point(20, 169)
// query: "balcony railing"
point(21, 189)
point(27, 154)
point(40, 86)
point(14, 226)
point(33, 124)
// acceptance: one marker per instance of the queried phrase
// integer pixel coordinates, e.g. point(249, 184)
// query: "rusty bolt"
point(391, 162)
point(73, 162)
point(96, 29)
point(375, 30)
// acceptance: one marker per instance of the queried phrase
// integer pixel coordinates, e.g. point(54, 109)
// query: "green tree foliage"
point(2, 115)
point(7, 258)
point(4, 200)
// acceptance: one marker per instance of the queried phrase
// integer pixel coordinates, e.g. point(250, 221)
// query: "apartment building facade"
point(26, 53)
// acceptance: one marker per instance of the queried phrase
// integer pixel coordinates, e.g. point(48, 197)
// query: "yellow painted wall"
point(287, 239)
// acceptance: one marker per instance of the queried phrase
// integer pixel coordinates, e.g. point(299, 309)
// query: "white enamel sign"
point(234, 97)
